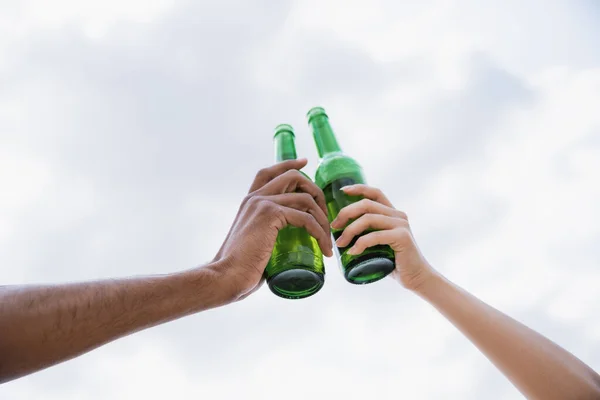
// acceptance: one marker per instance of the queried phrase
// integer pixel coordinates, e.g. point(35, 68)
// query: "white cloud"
point(129, 133)
point(92, 17)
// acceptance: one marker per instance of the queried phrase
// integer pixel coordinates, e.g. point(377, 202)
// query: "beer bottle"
point(296, 269)
point(335, 171)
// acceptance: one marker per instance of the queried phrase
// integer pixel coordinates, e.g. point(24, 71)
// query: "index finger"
point(266, 175)
point(368, 192)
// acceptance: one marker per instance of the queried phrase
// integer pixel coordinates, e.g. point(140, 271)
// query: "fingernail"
point(349, 187)
point(334, 223)
point(352, 251)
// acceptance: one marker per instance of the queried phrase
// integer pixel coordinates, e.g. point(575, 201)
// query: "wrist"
point(224, 280)
point(207, 284)
point(431, 282)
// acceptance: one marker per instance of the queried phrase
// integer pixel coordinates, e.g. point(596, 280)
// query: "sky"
point(131, 130)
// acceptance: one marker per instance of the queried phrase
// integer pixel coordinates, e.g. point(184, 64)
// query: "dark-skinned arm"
point(42, 325)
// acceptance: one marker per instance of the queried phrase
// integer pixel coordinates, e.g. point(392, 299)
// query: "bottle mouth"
point(315, 112)
point(284, 128)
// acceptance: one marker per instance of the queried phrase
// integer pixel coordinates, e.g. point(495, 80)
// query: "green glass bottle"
point(335, 171)
point(296, 269)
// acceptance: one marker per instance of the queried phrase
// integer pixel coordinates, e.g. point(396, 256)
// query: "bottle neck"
point(323, 134)
point(285, 146)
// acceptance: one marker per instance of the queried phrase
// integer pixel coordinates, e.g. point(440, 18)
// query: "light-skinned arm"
point(537, 367)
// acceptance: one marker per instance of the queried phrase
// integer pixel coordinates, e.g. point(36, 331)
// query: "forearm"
point(539, 368)
point(44, 325)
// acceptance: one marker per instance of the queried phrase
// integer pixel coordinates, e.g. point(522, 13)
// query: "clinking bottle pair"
point(296, 269)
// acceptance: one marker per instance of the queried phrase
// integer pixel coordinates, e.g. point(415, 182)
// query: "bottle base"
point(296, 283)
point(362, 272)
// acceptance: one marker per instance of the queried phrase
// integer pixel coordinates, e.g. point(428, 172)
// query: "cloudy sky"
point(130, 130)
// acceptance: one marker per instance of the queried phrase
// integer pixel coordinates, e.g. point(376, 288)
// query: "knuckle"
point(375, 219)
point(358, 225)
point(402, 214)
point(316, 226)
point(263, 173)
point(310, 224)
point(350, 229)
point(306, 198)
point(342, 215)
point(292, 174)
point(351, 209)
point(261, 204)
point(377, 192)
point(370, 217)
point(360, 242)
point(404, 234)
point(363, 203)
point(253, 198)
point(402, 225)
point(310, 219)
point(249, 199)
point(319, 196)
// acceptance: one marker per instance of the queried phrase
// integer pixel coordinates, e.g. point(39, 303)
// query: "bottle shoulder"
point(336, 166)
